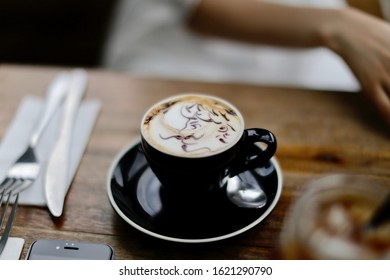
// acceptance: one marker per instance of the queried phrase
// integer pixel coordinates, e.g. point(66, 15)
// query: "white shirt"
point(149, 38)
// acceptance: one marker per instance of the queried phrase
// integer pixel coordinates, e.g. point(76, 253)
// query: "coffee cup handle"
point(252, 156)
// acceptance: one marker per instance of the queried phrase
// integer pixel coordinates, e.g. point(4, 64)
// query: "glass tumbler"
point(328, 220)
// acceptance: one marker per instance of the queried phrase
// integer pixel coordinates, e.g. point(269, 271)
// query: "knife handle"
point(78, 84)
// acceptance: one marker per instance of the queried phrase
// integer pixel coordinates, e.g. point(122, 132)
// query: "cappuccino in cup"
point(194, 142)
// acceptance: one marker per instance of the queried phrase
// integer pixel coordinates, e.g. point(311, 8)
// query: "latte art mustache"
point(192, 126)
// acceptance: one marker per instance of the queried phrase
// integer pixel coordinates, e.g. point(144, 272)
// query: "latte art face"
point(192, 126)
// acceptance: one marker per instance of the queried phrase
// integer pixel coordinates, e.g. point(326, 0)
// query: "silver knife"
point(57, 179)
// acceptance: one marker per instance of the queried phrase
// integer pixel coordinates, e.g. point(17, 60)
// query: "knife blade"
point(57, 179)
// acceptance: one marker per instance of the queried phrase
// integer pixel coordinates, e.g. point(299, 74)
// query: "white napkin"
point(13, 248)
point(18, 133)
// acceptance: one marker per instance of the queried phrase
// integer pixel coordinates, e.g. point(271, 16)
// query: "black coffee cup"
point(194, 143)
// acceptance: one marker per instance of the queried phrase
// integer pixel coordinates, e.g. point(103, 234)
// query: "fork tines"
point(14, 185)
point(5, 229)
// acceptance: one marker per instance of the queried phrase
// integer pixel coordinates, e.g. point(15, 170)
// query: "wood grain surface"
point(318, 133)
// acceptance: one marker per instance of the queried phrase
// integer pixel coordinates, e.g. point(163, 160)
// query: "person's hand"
point(363, 41)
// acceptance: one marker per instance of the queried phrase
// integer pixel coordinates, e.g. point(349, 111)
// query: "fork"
point(7, 229)
point(26, 168)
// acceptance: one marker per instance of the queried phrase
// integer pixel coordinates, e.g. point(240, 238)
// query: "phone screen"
point(68, 250)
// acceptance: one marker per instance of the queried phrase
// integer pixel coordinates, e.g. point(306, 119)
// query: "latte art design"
point(196, 115)
point(192, 126)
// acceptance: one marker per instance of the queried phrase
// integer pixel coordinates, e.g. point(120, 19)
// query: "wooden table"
point(317, 132)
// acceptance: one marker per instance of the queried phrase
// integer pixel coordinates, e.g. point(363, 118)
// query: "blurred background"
point(73, 32)
point(59, 32)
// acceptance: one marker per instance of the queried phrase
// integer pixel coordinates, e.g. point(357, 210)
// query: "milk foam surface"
point(192, 126)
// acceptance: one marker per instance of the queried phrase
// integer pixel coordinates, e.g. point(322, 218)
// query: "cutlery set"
point(67, 88)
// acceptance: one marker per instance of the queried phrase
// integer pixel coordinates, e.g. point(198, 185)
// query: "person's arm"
point(262, 22)
point(363, 41)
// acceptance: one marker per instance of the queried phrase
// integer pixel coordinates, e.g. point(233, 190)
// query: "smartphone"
point(68, 250)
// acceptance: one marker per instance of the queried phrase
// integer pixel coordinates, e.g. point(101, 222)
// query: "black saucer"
point(138, 197)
